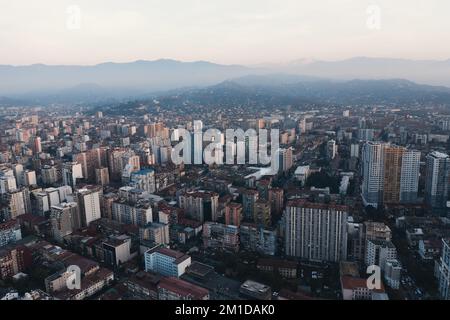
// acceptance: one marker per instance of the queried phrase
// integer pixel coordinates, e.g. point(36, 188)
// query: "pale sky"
point(223, 31)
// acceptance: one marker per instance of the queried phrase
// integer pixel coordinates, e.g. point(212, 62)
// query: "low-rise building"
point(355, 288)
point(172, 288)
point(255, 290)
point(220, 236)
point(285, 268)
point(166, 262)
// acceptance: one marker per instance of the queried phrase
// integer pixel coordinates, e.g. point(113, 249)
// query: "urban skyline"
point(265, 177)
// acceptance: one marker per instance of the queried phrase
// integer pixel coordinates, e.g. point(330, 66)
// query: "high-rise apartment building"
point(437, 179)
point(144, 179)
point(17, 202)
point(409, 178)
point(378, 252)
point(372, 172)
point(88, 200)
point(249, 198)
point(37, 147)
point(316, 231)
point(157, 233)
point(331, 149)
point(285, 159)
point(276, 196)
point(390, 174)
point(220, 236)
point(64, 219)
point(139, 214)
point(200, 205)
point(7, 180)
point(49, 175)
point(444, 270)
point(102, 176)
point(262, 213)
point(9, 232)
point(71, 171)
point(233, 214)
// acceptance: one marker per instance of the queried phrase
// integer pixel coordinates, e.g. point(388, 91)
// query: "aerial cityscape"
point(183, 179)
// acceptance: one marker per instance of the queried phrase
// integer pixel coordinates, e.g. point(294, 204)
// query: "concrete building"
point(157, 233)
point(276, 198)
point(444, 270)
point(409, 179)
point(64, 219)
point(302, 174)
point(436, 183)
point(255, 291)
point(392, 273)
point(331, 149)
point(233, 214)
point(10, 233)
point(49, 175)
point(71, 171)
point(17, 202)
point(7, 181)
point(29, 178)
point(167, 262)
point(117, 250)
point(401, 174)
point(354, 150)
point(378, 252)
point(144, 179)
point(257, 239)
point(262, 213)
point(390, 174)
point(372, 172)
point(316, 231)
point(176, 289)
point(220, 236)
point(285, 159)
point(139, 214)
point(88, 200)
point(13, 259)
point(249, 198)
point(102, 176)
point(377, 231)
point(200, 205)
point(355, 288)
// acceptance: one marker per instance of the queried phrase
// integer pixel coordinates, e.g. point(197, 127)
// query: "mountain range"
point(337, 81)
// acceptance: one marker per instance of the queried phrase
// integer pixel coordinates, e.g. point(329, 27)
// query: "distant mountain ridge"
point(141, 79)
point(293, 89)
point(431, 72)
point(141, 75)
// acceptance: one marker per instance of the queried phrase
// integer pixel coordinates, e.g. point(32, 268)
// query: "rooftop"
point(254, 286)
point(183, 288)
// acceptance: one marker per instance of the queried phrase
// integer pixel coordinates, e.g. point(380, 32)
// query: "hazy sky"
point(222, 31)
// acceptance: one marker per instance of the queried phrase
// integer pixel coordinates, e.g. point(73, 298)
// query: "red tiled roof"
point(352, 283)
point(182, 288)
point(8, 225)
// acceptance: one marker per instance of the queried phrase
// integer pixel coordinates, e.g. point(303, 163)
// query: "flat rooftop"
point(254, 286)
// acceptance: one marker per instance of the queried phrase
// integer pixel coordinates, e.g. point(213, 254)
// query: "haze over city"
point(240, 153)
point(227, 32)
